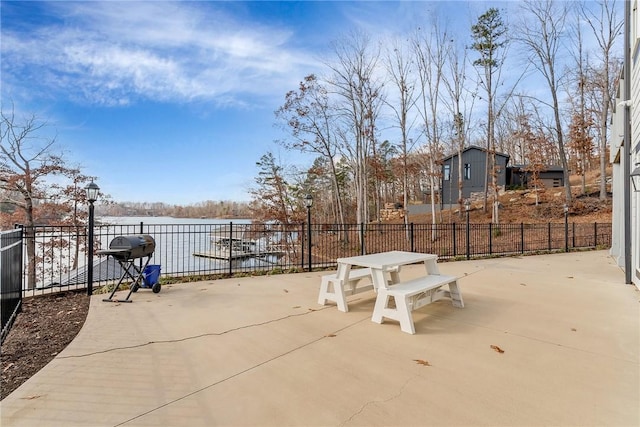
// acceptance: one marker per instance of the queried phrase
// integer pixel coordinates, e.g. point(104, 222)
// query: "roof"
point(473, 147)
point(545, 168)
point(104, 270)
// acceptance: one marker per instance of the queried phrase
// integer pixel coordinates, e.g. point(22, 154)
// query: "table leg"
point(431, 266)
point(395, 275)
point(378, 278)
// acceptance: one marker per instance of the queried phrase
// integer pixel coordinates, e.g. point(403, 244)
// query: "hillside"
point(520, 206)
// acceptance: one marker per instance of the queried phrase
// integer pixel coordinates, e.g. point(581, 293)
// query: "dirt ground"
point(521, 206)
point(46, 325)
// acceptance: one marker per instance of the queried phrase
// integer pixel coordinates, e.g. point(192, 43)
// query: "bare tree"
point(400, 73)
point(27, 160)
point(460, 103)
point(359, 97)
point(536, 150)
point(541, 33)
point(429, 51)
point(309, 117)
point(579, 141)
point(606, 28)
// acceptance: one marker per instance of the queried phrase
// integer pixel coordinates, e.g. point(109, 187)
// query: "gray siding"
point(476, 159)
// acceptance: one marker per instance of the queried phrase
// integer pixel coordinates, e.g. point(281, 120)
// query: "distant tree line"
point(206, 209)
point(387, 111)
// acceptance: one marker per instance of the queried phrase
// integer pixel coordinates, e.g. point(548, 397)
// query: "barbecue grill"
point(126, 250)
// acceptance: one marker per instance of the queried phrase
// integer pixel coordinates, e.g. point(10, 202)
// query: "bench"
point(332, 290)
point(413, 294)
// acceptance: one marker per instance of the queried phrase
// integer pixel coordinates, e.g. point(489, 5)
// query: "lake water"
point(177, 240)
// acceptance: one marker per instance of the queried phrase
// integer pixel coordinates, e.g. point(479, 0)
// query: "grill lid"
point(129, 247)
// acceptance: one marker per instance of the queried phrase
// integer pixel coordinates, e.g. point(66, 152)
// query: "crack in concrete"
point(250, 368)
point(193, 337)
point(372, 402)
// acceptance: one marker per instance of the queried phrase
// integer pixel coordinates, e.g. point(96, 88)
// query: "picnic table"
point(384, 270)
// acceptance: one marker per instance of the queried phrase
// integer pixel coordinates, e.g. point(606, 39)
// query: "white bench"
point(413, 294)
point(331, 288)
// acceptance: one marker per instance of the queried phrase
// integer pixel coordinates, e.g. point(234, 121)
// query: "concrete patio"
point(260, 351)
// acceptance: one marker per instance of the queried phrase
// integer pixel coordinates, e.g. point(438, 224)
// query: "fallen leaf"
point(497, 349)
point(523, 284)
point(569, 277)
point(574, 329)
point(422, 362)
point(330, 335)
point(8, 367)
point(285, 291)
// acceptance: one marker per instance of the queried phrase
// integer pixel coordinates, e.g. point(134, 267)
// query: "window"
point(446, 173)
point(467, 171)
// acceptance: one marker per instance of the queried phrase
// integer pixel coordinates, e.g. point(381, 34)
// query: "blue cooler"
point(151, 277)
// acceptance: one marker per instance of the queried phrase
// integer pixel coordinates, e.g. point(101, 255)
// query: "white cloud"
point(117, 52)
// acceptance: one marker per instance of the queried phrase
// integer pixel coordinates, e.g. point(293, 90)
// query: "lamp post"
point(467, 208)
point(92, 190)
point(566, 227)
point(308, 202)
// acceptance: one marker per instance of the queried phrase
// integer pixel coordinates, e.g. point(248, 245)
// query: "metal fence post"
point(309, 236)
point(141, 232)
point(455, 240)
point(595, 234)
point(490, 238)
point(522, 237)
point(411, 238)
point(566, 231)
point(362, 246)
point(302, 245)
point(230, 247)
point(468, 237)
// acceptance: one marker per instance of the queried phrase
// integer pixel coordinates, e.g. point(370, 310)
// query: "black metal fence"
point(11, 271)
point(59, 260)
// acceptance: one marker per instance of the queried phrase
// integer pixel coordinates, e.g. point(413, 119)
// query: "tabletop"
point(385, 260)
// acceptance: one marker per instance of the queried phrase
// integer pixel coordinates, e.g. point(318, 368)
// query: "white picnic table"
point(384, 270)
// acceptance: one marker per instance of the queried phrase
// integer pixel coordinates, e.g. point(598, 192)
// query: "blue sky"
point(173, 101)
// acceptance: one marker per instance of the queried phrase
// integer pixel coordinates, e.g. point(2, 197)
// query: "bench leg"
point(324, 295)
point(380, 308)
point(336, 295)
point(402, 312)
point(456, 295)
point(405, 318)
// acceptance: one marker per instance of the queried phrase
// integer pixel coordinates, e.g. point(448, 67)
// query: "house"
point(521, 176)
point(474, 173)
point(625, 156)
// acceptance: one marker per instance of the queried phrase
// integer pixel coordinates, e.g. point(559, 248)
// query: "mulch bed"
point(46, 325)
